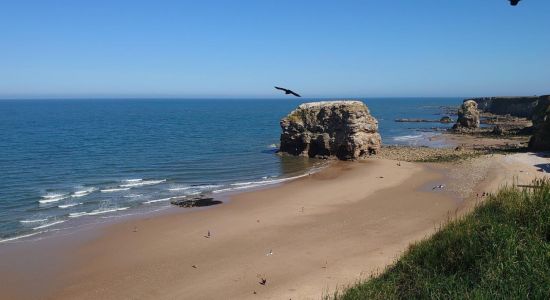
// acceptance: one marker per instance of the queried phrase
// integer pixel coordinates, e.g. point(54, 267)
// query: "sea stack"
point(468, 117)
point(344, 129)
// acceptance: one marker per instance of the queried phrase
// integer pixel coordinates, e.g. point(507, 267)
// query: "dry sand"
point(324, 231)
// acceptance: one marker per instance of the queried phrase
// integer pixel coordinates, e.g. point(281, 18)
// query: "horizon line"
point(237, 97)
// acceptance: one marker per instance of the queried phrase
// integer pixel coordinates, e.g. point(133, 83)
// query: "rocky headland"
point(523, 106)
point(343, 129)
point(507, 117)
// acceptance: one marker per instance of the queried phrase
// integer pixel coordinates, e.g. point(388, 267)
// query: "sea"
point(69, 162)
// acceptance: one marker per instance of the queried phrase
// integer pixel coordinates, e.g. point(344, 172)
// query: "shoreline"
point(95, 260)
point(117, 248)
point(150, 207)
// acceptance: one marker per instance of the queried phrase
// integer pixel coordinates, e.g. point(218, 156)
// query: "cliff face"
point(344, 129)
point(515, 106)
point(541, 122)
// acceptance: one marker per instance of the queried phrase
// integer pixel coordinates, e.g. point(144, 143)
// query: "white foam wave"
point(133, 180)
point(49, 224)
point(83, 193)
point(133, 195)
point(53, 195)
point(157, 200)
point(33, 221)
point(51, 199)
point(96, 212)
point(19, 237)
point(142, 183)
point(69, 205)
point(206, 186)
point(114, 190)
point(252, 184)
point(223, 190)
point(77, 214)
point(104, 211)
point(180, 189)
point(404, 138)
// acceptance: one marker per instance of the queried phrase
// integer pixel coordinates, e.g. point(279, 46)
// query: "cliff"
point(541, 123)
point(344, 129)
point(515, 106)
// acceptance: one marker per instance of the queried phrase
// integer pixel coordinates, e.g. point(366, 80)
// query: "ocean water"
point(68, 161)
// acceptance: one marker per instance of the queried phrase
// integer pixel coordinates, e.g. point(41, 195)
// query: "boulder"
point(468, 116)
point(344, 129)
point(194, 201)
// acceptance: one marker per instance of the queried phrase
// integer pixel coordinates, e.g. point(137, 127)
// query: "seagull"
point(270, 253)
point(514, 2)
point(438, 186)
point(287, 91)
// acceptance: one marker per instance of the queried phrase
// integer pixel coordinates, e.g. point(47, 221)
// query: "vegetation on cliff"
point(500, 250)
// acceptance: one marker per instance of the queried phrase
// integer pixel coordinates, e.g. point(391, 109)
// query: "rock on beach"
point(344, 129)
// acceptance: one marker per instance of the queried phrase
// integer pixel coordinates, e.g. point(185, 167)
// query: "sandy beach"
point(306, 238)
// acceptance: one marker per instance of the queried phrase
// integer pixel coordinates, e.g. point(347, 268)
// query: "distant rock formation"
point(446, 119)
point(522, 106)
point(344, 129)
point(468, 117)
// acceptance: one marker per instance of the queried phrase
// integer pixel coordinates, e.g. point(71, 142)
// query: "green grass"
point(499, 251)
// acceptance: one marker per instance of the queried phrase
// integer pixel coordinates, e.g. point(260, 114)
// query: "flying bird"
point(287, 91)
point(514, 2)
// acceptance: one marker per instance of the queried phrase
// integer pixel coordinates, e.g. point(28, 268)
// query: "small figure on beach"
point(263, 281)
point(441, 186)
point(270, 252)
point(194, 266)
point(135, 229)
point(207, 235)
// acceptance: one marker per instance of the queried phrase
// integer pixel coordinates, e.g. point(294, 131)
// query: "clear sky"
point(233, 48)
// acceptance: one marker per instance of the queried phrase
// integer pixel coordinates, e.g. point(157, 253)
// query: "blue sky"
point(233, 48)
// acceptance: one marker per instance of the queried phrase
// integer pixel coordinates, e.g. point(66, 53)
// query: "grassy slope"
point(500, 250)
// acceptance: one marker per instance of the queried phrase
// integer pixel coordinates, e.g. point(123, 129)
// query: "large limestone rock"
point(344, 129)
point(468, 116)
